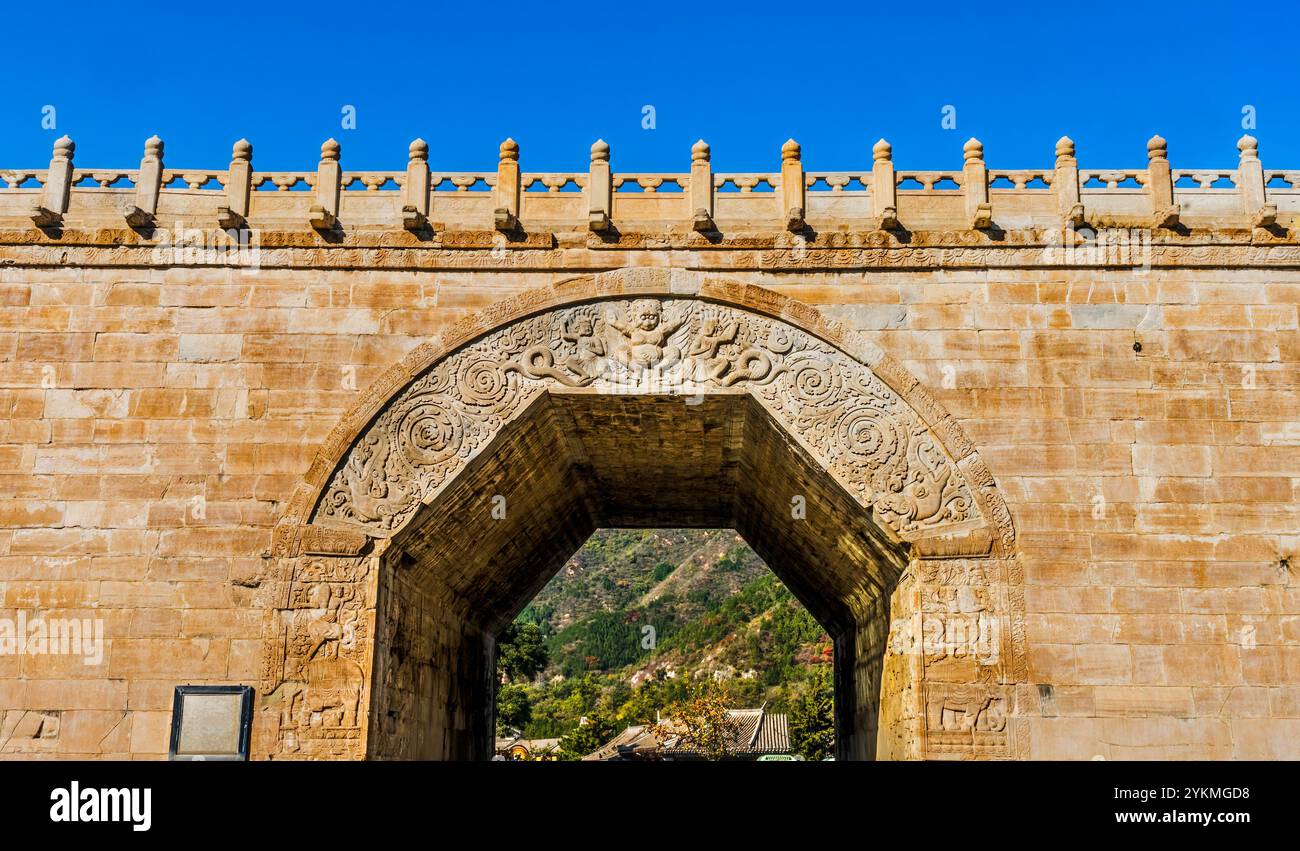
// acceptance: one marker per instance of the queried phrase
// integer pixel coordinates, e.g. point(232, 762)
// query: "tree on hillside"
point(587, 736)
point(514, 706)
point(812, 720)
point(521, 652)
point(701, 723)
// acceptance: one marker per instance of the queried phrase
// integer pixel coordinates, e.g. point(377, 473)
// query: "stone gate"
point(1024, 441)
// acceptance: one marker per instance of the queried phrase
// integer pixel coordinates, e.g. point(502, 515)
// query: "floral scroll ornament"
point(859, 427)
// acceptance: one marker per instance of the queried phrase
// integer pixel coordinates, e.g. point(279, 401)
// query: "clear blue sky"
point(836, 76)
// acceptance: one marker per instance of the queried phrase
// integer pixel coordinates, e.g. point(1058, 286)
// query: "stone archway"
point(640, 397)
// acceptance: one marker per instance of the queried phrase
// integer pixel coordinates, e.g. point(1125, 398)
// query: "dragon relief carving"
point(860, 428)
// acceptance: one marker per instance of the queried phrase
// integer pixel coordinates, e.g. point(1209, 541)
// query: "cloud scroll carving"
point(849, 419)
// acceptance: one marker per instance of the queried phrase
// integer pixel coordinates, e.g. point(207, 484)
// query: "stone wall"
point(1135, 402)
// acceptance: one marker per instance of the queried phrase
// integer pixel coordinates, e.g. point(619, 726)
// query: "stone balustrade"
point(609, 202)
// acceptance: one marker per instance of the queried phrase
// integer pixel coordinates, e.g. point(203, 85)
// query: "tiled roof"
point(773, 735)
point(635, 738)
point(757, 732)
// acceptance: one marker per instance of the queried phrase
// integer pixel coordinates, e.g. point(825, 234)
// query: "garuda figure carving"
point(645, 335)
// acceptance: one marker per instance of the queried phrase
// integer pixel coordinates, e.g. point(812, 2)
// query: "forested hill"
point(663, 607)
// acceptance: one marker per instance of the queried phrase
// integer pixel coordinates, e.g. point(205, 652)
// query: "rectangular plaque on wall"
point(211, 722)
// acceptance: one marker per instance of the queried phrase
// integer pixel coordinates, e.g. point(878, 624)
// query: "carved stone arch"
point(851, 409)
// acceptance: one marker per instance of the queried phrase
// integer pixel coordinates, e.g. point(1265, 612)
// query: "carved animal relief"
point(318, 655)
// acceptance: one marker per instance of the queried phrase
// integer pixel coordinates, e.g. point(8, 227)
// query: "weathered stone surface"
point(1050, 478)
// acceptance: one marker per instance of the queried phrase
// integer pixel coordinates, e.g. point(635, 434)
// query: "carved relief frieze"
point(967, 720)
point(317, 656)
point(747, 251)
point(850, 419)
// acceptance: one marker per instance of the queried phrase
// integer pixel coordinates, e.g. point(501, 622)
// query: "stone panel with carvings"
point(859, 428)
point(317, 657)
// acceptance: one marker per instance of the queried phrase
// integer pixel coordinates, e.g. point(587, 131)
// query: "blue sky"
point(555, 76)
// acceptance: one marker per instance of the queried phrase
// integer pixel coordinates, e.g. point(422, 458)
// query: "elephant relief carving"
point(966, 709)
point(330, 697)
point(964, 721)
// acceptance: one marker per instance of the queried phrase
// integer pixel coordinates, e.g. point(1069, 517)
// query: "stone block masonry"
point(1046, 423)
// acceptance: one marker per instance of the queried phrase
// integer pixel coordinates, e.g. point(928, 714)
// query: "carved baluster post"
point(239, 187)
point(600, 189)
point(975, 183)
point(884, 186)
point(415, 194)
point(1065, 180)
point(324, 214)
point(506, 215)
point(1160, 184)
point(701, 187)
point(147, 186)
point(58, 186)
point(792, 188)
point(1250, 184)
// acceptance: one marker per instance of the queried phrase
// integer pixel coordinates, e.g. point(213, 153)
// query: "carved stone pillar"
point(1250, 184)
point(884, 186)
point(506, 215)
point(956, 653)
point(148, 185)
point(239, 185)
point(58, 185)
point(701, 187)
point(415, 194)
point(599, 189)
point(792, 189)
point(1160, 184)
point(1065, 182)
point(329, 185)
point(975, 184)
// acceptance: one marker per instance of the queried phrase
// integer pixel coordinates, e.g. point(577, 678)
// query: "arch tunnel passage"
point(577, 461)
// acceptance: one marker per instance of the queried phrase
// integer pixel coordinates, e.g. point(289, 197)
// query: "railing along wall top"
point(985, 191)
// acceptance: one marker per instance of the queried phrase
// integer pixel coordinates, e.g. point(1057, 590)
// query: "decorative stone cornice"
point(752, 250)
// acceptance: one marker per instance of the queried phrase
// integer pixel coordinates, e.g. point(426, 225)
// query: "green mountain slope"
point(635, 615)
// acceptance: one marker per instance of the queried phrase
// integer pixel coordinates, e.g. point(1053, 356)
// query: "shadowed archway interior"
point(575, 461)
